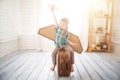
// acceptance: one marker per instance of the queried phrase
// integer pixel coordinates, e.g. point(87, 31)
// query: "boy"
point(61, 41)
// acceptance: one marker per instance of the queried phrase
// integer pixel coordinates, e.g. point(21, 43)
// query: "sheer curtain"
point(75, 10)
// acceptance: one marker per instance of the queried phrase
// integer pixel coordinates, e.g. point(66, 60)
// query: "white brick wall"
point(31, 22)
point(116, 29)
point(19, 24)
point(28, 41)
point(116, 23)
point(9, 25)
point(29, 17)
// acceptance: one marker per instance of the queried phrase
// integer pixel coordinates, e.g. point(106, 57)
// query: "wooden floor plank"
point(8, 60)
point(33, 65)
point(37, 71)
point(75, 75)
point(108, 56)
point(96, 68)
point(10, 56)
point(107, 71)
point(11, 65)
point(113, 65)
point(10, 69)
point(53, 74)
point(109, 59)
point(23, 67)
point(46, 69)
point(88, 67)
point(99, 71)
point(84, 74)
point(64, 78)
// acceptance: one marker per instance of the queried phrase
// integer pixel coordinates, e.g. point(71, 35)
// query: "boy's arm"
point(72, 44)
point(52, 10)
point(55, 20)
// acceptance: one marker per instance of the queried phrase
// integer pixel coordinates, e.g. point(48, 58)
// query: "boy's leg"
point(69, 49)
point(54, 53)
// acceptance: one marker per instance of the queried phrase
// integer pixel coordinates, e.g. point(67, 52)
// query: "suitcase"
point(63, 63)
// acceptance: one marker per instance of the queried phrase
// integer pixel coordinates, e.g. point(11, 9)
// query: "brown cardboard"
point(49, 32)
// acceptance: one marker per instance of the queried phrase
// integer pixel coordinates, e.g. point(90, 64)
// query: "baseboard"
point(6, 54)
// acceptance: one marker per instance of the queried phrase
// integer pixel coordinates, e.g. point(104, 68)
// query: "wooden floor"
point(33, 65)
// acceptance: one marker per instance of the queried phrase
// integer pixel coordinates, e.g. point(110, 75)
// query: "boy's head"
point(64, 23)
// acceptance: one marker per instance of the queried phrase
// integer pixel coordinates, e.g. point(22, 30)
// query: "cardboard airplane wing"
point(49, 32)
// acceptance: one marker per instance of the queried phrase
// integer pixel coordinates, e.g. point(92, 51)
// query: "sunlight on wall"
point(101, 5)
point(75, 10)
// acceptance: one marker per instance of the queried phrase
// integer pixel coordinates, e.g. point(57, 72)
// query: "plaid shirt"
point(61, 40)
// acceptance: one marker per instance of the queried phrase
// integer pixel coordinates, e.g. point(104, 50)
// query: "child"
point(61, 41)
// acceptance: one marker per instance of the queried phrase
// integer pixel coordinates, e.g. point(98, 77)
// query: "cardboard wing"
point(49, 32)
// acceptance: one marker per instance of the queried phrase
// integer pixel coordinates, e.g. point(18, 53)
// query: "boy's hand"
point(74, 45)
point(52, 7)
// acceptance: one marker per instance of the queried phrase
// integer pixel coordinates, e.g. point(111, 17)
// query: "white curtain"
point(75, 10)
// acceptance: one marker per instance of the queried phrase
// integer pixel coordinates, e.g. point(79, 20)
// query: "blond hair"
point(65, 20)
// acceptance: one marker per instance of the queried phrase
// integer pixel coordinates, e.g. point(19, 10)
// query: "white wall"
point(31, 22)
point(28, 33)
point(116, 29)
point(9, 25)
point(19, 23)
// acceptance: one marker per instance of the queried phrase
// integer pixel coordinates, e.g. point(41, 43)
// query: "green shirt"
point(61, 40)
